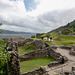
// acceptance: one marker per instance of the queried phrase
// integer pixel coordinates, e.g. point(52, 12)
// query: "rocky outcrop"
point(39, 44)
point(28, 40)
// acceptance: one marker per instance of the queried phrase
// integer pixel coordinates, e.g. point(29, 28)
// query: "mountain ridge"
point(13, 32)
point(70, 26)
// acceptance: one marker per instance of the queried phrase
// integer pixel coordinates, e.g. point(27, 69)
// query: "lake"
point(16, 35)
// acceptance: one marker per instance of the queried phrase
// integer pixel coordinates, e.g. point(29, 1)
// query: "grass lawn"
point(30, 65)
point(49, 42)
point(65, 40)
point(23, 50)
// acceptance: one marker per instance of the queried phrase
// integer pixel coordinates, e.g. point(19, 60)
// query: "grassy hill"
point(61, 39)
point(60, 35)
point(70, 26)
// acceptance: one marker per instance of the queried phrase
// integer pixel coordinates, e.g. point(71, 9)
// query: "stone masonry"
point(13, 66)
point(19, 40)
point(72, 51)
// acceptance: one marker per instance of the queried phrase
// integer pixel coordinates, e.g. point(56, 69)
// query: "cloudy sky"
point(35, 15)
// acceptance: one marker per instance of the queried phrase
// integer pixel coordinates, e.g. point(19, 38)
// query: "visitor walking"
point(42, 38)
point(50, 38)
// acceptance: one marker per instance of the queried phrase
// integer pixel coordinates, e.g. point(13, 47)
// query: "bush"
point(29, 45)
point(65, 32)
point(33, 36)
point(3, 56)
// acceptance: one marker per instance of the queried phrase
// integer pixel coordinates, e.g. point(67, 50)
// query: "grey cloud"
point(57, 18)
point(14, 20)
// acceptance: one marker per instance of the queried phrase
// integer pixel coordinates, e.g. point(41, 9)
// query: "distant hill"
point(13, 32)
point(70, 26)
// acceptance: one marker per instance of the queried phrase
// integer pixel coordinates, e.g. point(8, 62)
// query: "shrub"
point(65, 32)
point(33, 36)
point(29, 45)
point(3, 56)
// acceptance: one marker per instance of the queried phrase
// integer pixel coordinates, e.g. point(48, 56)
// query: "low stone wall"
point(53, 53)
point(39, 71)
point(72, 51)
point(72, 72)
point(54, 47)
point(48, 52)
point(34, 55)
point(51, 64)
point(59, 61)
point(66, 47)
point(19, 40)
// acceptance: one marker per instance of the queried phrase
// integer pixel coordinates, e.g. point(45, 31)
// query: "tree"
point(3, 54)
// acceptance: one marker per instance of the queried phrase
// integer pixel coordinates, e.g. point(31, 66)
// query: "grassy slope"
point(70, 26)
point(65, 40)
point(29, 46)
point(23, 50)
point(49, 42)
point(26, 49)
point(35, 63)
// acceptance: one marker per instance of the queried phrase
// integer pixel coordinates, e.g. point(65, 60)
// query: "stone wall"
point(53, 53)
point(37, 35)
point(66, 47)
point(72, 51)
point(72, 72)
point(59, 61)
point(34, 55)
point(13, 66)
point(19, 40)
point(40, 53)
point(39, 71)
point(51, 64)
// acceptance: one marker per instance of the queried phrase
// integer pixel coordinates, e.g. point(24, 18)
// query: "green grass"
point(65, 40)
point(37, 38)
point(49, 42)
point(29, 46)
point(23, 50)
point(54, 34)
point(30, 65)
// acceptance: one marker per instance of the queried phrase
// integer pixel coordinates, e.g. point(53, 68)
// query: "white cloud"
point(51, 5)
point(48, 15)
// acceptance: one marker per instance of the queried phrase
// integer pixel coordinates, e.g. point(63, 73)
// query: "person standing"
point(50, 38)
point(42, 38)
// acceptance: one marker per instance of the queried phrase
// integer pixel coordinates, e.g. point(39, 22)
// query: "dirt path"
point(65, 67)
